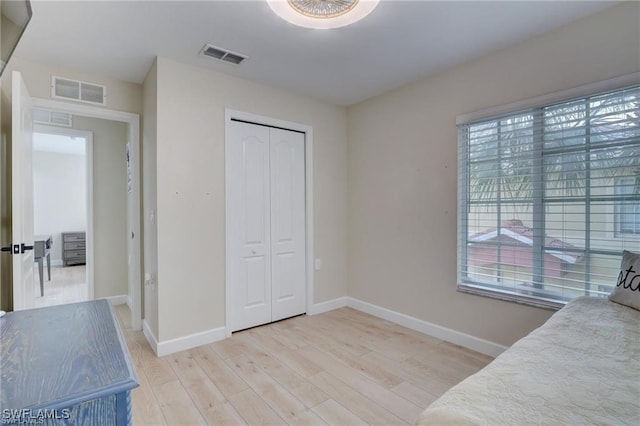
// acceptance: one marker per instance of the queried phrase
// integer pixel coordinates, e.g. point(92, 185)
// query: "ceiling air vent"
point(43, 116)
point(222, 54)
point(81, 91)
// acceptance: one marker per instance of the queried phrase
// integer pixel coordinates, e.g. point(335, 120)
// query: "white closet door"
point(249, 222)
point(266, 234)
point(288, 284)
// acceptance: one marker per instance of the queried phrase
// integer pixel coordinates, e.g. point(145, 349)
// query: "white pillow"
point(627, 290)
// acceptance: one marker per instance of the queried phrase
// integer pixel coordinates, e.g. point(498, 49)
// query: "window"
point(627, 209)
point(549, 198)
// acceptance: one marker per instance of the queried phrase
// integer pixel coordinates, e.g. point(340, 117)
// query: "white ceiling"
point(401, 41)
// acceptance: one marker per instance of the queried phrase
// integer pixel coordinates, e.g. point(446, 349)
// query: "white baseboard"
point(151, 338)
point(456, 337)
point(205, 337)
point(329, 305)
point(117, 300)
point(129, 302)
point(56, 262)
point(168, 347)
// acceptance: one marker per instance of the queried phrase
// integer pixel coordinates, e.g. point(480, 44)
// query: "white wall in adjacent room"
point(60, 191)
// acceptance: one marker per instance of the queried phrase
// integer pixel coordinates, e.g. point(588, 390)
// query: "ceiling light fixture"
point(322, 14)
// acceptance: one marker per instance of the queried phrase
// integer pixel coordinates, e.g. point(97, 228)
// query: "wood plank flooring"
point(67, 285)
point(343, 367)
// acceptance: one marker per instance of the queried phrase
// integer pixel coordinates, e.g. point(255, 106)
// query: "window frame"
point(618, 214)
point(534, 104)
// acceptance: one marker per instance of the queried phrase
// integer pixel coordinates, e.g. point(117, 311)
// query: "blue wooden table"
point(65, 364)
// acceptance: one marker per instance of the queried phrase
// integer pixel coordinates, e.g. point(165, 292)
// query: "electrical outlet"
point(318, 263)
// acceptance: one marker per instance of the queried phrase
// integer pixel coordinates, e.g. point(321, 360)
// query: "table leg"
point(41, 276)
point(49, 265)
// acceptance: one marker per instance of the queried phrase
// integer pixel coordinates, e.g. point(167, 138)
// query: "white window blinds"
point(549, 198)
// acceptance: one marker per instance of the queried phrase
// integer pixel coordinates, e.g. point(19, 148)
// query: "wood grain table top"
point(59, 356)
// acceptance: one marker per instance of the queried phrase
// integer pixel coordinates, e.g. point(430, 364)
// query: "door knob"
point(15, 248)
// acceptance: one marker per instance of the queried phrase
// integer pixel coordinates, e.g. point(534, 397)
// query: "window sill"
point(511, 297)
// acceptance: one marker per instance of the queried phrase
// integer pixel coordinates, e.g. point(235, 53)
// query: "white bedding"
point(581, 367)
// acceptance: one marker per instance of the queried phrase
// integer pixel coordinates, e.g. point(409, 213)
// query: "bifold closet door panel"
point(249, 222)
point(288, 240)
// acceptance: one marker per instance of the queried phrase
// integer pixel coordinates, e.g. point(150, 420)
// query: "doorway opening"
point(22, 227)
point(63, 213)
point(129, 160)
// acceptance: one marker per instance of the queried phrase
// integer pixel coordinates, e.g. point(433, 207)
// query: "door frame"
point(231, 114)
point(88, 136)
point(133, 207)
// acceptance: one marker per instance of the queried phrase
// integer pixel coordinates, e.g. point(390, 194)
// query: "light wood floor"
point(340, 368)
point(68, 284)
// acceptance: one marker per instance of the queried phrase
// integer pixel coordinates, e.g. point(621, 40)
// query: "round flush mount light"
point(322, 14)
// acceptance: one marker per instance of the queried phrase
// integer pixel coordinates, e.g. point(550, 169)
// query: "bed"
point(581, 367)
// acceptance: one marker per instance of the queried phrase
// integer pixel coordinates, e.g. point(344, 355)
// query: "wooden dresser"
point(65, 364)
point(74, 248)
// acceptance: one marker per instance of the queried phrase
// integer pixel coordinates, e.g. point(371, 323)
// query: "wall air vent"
point(43, 116)
point(81, 91)
point(222, 54)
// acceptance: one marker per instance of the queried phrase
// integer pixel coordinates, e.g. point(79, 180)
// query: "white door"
point(266, 232)
point(249, 209)
point(22, 194)
point(287, 224)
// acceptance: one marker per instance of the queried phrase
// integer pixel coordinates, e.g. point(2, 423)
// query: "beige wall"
point(121, 95)
point(149, 194)
point(403, 176)
point(191, 106)
point(109, 204)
